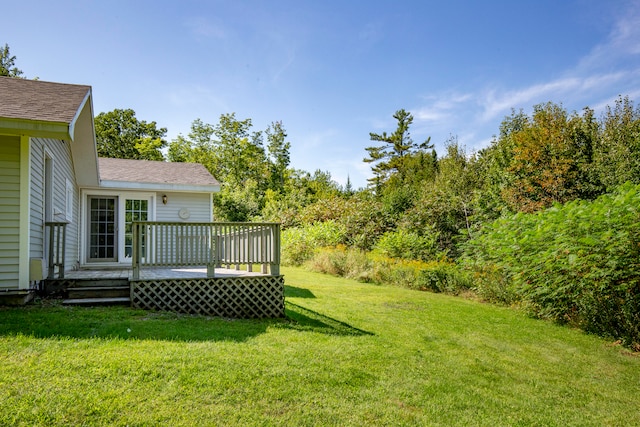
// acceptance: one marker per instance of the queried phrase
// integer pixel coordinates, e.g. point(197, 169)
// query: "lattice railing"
point(217, 244)
point(235, 297)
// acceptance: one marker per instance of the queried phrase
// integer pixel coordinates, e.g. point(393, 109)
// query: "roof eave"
point(152, 186)
point(34, 128)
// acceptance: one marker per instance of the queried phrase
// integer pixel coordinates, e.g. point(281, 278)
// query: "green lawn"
point(350, 354)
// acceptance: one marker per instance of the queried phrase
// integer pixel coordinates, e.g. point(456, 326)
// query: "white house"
point(50, 172)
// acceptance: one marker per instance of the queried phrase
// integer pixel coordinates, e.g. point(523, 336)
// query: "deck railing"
point(211, 244)
point(57, 236)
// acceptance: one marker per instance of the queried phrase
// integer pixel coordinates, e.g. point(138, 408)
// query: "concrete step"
point(87, 302)
point(98, 292)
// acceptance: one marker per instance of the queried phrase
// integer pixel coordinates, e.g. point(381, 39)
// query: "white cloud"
point(495, 104)
point(623, 40)
point(441, 107)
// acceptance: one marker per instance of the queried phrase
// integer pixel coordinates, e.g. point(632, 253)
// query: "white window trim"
point(69, 200)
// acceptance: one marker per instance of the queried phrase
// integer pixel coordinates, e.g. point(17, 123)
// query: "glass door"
point(103, 230)
point(134, 210)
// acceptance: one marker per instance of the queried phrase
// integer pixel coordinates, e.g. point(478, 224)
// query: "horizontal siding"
point(198, 204)
point(10, 208)
point(63, 170)
point(36, 205)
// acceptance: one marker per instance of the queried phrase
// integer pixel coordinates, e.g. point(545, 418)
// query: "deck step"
point(85, 302)
point(98, 283)
point(98, 292)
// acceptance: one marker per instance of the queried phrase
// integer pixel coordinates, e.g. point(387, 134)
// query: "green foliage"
point(256, 181)
point(618, 151)
point(120, 135)
point(362, 216)
point(552, 157)
point(299, 243)
point(7, 63)
point(240, 153)
point(390, 158)
point(577, 263)
point(342, 261)
point(237, 203)
point(434, 276)
point(445, 206)
point(408, 245)
point(278, 155)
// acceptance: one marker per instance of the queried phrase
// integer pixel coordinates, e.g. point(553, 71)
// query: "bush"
point(407, 245)
point(296, 248)
point(299, 243)
point(578, 263)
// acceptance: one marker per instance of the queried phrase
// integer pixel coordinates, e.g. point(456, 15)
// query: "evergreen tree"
point(390, 158)
point(7, 63)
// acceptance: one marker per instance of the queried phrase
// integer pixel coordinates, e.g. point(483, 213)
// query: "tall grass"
point(436, 276)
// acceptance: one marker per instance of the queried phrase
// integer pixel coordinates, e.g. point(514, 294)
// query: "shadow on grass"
point(293, 292)
point(52, 320)
point(303, 319)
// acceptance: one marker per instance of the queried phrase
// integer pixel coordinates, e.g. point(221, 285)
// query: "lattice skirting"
point(236, 297)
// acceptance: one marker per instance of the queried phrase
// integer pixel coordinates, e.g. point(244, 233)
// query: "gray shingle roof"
point(40, 101)
point(148, 171)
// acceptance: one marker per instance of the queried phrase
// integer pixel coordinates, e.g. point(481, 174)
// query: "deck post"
point(135, 264)
point(275, 264)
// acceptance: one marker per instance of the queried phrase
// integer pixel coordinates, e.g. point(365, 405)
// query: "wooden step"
point(86, 302)
point(98, 292)
point(98, 283)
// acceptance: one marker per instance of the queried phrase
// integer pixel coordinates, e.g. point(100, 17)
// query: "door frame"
point(121, 197)
point(115, 233)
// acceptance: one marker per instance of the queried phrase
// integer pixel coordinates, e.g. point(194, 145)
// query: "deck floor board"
point(155, 273)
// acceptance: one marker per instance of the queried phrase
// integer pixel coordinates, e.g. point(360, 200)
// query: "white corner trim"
point(25, 197)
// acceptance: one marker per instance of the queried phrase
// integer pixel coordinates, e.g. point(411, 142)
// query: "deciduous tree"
point(551, 156)
point(120, 135)
point(618, 151)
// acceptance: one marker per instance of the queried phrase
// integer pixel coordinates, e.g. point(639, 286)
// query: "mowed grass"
point(348, 354)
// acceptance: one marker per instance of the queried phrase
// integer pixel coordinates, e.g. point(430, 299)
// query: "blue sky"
point(333, 71)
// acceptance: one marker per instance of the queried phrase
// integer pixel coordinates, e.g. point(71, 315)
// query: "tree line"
point(546, 217)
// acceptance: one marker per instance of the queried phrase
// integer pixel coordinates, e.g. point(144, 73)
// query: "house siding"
point(197, 204)
point(9, 212)
point(63, 171)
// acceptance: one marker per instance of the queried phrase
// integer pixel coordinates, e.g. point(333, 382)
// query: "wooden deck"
point(231, 293)
point(155, 273)
point(180, 267)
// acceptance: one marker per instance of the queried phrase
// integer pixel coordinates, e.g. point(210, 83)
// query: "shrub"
point(299, 243)
point(578, 263)
point(296, 248)
point(407, 245)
